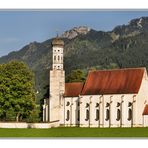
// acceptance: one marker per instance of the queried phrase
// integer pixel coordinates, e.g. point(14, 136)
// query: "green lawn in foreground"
point(75, 132)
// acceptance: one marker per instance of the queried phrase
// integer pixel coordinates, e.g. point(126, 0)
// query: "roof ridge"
point(118, 69)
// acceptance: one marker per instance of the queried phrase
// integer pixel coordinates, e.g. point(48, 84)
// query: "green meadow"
point(75, 132)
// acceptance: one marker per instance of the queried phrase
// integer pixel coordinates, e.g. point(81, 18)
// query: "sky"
point(21, 27)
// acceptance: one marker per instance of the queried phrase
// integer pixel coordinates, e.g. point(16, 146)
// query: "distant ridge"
point(85, 48)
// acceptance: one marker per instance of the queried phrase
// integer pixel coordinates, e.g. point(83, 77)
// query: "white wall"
point(57, 87)
point(145, 120)
point(138, 101)
point(73, 110)
point(142, 99)
point(113, 110)
point(28, 125)
point(103, 100)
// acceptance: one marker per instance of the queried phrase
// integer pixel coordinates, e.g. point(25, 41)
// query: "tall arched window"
point(129, 114)
point(97, 114)
point(87, 115)
point(67, 115)
point(78, 115)
point(107, 114)
point(58, 58)
point(54, 58)
point(118, 114)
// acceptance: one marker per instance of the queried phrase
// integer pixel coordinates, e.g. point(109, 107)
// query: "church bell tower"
point(57, 80)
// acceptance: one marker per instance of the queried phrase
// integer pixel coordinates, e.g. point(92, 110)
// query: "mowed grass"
point(75, 132)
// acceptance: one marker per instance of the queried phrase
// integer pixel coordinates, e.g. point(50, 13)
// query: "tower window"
point(58, 50)
point(87, 115)
point(68, 115)
point(58, 58)
point(54, 57)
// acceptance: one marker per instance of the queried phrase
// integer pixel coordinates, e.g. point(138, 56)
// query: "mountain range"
point(86, 48)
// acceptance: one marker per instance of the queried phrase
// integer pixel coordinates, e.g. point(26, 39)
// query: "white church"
point(108, 98)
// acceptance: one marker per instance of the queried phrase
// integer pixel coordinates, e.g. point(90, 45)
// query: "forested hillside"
point(85, 49)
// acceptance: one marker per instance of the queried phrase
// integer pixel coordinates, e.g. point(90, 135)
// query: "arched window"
point(67, 115)
point(58, 58)
point(87, 105)
point(54, 58)
point(78, 115)
point(97, 104)
point(97, 114)
point(129, 104)
point(107, 114)
point(107, 104)
point(87, 115)
point(78, 103)
point(118, 114)
point(129, 114)
point(68, 103)
point(118, 104)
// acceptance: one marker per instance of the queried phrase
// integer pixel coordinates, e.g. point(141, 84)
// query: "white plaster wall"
point(57, 87)
point(145, 120)
point(28, 125)
point(74, 109)
point(124, 99)
point(128, 98)
point(142, 98)
point(83, 101)
point(103, 99)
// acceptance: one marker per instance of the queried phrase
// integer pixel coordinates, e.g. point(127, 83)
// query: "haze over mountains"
point(85, 48)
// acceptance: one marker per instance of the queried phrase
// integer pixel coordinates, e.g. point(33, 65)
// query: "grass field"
point(75, 132)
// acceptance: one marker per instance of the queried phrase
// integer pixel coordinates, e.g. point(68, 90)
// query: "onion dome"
point(57, 42)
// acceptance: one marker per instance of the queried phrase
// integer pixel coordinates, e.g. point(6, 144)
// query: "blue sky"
point(18, 28)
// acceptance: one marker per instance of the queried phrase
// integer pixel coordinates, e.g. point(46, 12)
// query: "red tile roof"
point(73, 89)
point(145, 112)
point(122, 81)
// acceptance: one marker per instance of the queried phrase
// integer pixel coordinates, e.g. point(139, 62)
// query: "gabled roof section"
point(145, 112)
point(120, 81)
point(73, 89)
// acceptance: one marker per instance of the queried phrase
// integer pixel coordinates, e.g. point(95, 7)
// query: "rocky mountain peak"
point(70, 34)
point(139, 22)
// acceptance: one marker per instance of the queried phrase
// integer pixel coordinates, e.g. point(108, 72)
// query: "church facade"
point(108, 98)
